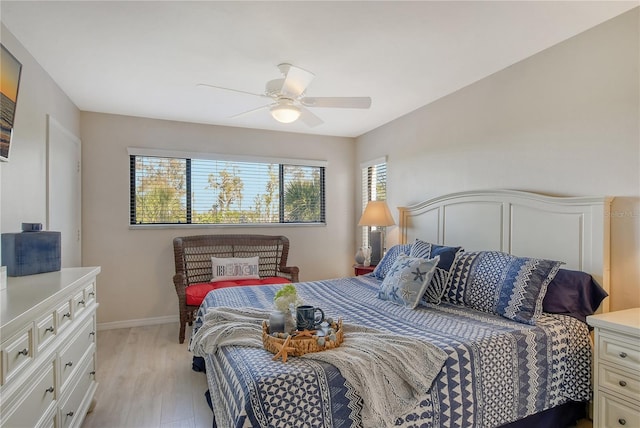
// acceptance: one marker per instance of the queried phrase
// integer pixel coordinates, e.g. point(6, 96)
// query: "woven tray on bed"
point(300, 342)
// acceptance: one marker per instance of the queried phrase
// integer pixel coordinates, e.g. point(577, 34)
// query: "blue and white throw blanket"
point(497, 370)
point(394, 372)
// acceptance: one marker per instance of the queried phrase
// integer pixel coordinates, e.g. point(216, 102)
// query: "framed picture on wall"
point(10, 69)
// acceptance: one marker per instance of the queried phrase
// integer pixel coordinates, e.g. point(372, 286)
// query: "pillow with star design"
point(406, 281)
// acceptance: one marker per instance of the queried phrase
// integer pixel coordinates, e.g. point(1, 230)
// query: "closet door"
point(64, 191)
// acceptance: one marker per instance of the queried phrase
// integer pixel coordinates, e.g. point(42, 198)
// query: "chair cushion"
point(197, 292)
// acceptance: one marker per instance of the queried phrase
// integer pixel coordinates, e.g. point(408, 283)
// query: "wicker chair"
point(193, 262)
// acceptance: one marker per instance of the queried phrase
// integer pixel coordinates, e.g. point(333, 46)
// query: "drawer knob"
point(93, 333)
point(48, 329)
point(25, 351)
point(81, 302)
point(92, 373)
point(70, 414)
point(622, 421)
point(622, 383)
point(92, 294)
point(50, 389)
point(69, 364)
point(67, 315)
point(623, 355)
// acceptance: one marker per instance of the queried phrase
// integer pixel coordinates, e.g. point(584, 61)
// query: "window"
point(374, 187)
point(205, 190)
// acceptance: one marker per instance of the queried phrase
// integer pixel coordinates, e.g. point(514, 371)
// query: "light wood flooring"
point(145, 380)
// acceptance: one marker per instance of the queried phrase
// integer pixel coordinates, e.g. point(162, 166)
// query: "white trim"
point(138, 322)
point(372, 162)
point(139, 151)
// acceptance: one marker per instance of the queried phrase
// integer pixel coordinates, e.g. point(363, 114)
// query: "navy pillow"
point(573, 293)
point(447, 255)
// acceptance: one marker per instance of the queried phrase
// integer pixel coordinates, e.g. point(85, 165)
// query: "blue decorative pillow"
point(407, 279)
point(389, 258)
point(420, 249)
point(435, 289)
point(499, 283)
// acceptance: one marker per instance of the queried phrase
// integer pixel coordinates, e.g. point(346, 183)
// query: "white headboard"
point(574, 230)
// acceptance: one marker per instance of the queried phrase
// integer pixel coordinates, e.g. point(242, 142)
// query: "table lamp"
point(376, 214)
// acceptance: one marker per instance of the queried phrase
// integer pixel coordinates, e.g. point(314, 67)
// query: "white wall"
point(563, 122)
point(23, 187)
point(137, 265)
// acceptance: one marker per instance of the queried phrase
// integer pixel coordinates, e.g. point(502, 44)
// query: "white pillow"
point(224, 269)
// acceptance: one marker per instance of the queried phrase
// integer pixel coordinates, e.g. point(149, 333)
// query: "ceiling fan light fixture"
point(285, 112)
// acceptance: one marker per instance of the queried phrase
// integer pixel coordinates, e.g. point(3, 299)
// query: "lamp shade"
point(285, 112)
point(376, 214)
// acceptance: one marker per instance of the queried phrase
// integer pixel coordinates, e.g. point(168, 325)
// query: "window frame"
point(134, 152)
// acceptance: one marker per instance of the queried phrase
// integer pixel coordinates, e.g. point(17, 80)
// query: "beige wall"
point(23, 187)
point(563, 122)
point(137, 265)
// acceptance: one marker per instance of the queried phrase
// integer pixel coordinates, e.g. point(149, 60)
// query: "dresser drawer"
point(613, 412)
point(50, 420)
point(33, 406)
point(63, 315)
point(90, 293)
point(618, 350)
point(79, 303)
point(17, 353)
point(74, 407)
point(45, 330)
point(619, 381)
point(71, 355)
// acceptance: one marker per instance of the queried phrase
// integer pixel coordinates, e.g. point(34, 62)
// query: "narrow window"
point(374, 188)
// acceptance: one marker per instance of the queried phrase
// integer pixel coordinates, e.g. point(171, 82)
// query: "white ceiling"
point(145, 58)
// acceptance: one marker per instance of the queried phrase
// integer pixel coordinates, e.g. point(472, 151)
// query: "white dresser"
point(616, 369)
point(47, 348)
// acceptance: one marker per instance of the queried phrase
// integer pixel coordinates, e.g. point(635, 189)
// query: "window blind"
point(374, 188)
point(172, 190)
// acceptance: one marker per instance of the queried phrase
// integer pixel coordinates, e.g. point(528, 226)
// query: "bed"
point(502, 367)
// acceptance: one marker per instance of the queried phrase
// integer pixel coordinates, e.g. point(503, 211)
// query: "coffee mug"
point(307, 317)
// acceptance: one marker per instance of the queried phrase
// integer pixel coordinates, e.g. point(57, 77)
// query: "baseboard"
point(138, 323)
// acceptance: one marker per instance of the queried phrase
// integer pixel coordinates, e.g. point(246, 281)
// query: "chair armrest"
point(180, 282)
point(292, 272)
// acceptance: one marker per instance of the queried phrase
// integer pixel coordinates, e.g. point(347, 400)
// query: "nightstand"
point(616, 369)
point(363, 270)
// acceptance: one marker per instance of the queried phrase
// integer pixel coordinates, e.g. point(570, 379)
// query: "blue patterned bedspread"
point(497, 370)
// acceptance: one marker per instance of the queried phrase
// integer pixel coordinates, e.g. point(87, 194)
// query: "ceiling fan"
point(289, 102)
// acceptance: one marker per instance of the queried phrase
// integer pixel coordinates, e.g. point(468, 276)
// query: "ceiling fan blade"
point(309, 118)
point(233, 90)
point(235, 116)
point(337, 102)
point(296, 80)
